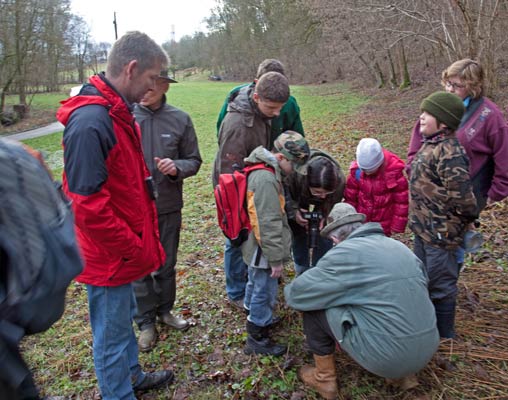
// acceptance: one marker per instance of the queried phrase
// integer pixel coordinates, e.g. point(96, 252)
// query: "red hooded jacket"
point(383, 196)
point(104, 176)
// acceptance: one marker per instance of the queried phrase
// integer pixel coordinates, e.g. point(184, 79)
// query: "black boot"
point(154, 380)
point(258, 341)
point(445, 315)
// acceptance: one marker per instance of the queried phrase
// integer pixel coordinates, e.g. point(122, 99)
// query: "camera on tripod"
point(314, 218)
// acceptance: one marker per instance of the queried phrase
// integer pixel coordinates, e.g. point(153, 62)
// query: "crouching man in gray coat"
point(369, 294)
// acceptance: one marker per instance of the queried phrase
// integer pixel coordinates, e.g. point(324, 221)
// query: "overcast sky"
point(153, 17)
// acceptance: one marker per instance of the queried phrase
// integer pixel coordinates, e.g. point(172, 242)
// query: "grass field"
point(208, 359)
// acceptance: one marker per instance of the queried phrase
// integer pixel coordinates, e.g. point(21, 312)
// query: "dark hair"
point(322, 173)
point(270, 65)
point(273, 86)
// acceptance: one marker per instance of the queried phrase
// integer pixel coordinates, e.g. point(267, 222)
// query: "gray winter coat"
point(243, 129)
point(169, 133)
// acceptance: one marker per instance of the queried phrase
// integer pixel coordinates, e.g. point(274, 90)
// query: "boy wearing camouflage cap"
point(442, 203)
point(269, 242)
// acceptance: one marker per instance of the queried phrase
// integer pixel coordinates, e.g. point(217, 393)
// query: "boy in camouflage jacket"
point(442, 203)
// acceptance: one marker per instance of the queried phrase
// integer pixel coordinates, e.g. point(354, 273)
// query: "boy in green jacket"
point(269, 242)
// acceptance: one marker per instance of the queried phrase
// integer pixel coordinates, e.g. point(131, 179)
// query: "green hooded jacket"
point(265, 203)
point(374, 291)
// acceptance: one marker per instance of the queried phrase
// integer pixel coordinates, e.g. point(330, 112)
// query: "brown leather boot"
point(322, 377)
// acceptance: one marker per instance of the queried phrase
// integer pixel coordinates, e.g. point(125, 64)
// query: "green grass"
point(208, 359)
point(42, 101)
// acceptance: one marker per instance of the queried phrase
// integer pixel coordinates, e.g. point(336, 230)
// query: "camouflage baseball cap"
point(293, 146)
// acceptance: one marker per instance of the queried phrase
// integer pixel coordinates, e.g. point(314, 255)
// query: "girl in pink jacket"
point(376, 186)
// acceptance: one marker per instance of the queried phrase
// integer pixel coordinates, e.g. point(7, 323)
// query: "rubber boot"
point(322, 377)
point(258, 341)
point(445, 315)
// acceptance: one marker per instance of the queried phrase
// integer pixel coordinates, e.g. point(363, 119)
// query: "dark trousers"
point(156, 292)
point(320, 338)
point(301, 253)
point(441, 267)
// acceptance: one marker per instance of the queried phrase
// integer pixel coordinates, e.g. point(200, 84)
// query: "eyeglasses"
point(318, 192)
point(454, 85)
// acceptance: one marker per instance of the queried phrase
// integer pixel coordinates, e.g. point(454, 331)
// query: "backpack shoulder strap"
point(253, 167)
point(358, 174)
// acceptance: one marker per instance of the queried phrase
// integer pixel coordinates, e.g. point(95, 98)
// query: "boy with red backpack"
point(269, 243)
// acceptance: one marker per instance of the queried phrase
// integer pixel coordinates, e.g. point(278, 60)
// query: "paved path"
point(44, 130)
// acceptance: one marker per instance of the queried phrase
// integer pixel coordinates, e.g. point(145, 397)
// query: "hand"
point(166, 166)
point(299, 219)
point(277, 270)
point(322, 222)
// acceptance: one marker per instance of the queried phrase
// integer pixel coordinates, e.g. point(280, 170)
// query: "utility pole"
point(114, 23)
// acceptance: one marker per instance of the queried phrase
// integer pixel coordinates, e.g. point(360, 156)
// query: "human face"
point(153, 97)
point(457, 86)
point(370, 171)
point(320, 193)
point(428, 124)
point(285, 165)
point(141, 82)
point(269, 109)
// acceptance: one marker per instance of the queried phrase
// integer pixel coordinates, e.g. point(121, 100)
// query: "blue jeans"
point(301, 253)
point(261, 296)
point(115, 350)
point(235, 270)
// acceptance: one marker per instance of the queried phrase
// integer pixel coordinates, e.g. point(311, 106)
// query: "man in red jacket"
point(116, 222)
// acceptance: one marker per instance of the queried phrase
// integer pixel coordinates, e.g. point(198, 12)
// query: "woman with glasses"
point(483, 133)
point(310, 196)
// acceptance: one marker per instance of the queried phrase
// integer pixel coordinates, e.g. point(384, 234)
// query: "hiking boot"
point(174, 322)
point(258, 341)
point(263, 346)
point(322, 377)
point(238, 304)
point(276, 320)
point(147, 338)
point(154, 380)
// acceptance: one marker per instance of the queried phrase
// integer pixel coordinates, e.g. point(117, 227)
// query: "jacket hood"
point(262, 155)
point(98, 91)
point(242, 103)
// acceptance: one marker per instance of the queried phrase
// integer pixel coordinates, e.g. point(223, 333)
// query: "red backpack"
point(230, 200)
